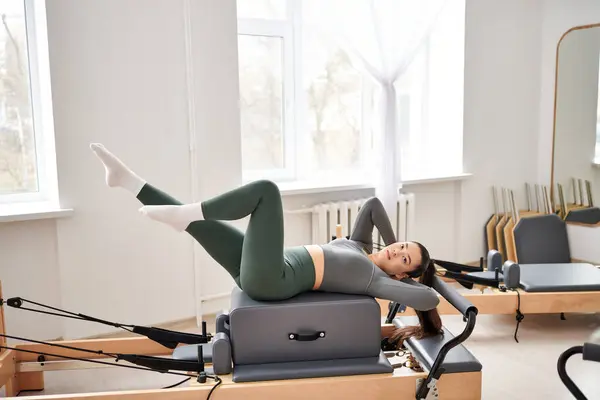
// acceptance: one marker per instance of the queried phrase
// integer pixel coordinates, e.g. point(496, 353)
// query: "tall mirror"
point(576, 150)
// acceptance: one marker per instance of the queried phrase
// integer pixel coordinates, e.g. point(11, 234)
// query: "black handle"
point(591, 352)
point(562, 372)
point(306, 337)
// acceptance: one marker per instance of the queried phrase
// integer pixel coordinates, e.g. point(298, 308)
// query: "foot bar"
point(459, 302)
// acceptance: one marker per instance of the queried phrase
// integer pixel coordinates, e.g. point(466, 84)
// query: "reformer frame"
point(24, 372)
point(497, 301)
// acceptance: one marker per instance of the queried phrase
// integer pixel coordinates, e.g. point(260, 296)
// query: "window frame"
point(295, 110)
point(282, 30)
point(41, 109)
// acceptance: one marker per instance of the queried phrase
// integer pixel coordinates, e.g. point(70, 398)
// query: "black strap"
point(161, 364)
point(18, 302)
point(470, 279)
point(158, 364)
point(456, 267)
point(42, 353)
point(519, 315)
point(171, 339)
point(167, 338)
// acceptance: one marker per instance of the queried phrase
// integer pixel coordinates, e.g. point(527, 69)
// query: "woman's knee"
point(267, 187)
point(373, 202)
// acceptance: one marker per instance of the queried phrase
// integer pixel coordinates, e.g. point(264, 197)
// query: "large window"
point(430, 101)
point(27, 166)
point(310, 109)
point(304, 107)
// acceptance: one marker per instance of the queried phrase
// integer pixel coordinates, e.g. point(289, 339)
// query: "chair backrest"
point(542, 239)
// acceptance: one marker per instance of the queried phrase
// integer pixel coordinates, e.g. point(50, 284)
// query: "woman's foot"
point(179, 217)
point(117, 173)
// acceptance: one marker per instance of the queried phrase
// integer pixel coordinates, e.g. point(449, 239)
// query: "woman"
point(266, 271)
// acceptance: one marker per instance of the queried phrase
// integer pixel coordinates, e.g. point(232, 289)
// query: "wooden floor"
point(525, 370)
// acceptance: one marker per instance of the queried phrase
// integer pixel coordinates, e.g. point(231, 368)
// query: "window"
point(27, 161)
point(430, 101)
point(307, 108)
point(303, 105)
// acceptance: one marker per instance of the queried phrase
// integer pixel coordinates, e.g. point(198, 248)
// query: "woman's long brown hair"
point(430, 323)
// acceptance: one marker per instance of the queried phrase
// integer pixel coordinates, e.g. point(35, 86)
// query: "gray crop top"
point(349, 270)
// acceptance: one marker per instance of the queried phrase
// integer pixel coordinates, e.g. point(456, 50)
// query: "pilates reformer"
point(288, 349)
point(542, 279)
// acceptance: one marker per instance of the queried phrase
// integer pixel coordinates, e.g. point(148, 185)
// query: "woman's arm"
point(372, 214)
point(407, 292)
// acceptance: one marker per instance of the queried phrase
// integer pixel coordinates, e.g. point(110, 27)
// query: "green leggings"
point(256, 259)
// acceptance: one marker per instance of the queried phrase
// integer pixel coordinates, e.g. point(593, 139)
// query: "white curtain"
point(382, 37)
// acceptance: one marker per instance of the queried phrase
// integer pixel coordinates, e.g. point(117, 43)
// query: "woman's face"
point(398, 258)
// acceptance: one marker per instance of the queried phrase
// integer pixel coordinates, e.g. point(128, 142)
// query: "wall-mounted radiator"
point(326, 216)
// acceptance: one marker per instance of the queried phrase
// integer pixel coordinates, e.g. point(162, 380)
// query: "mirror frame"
point(575, 28)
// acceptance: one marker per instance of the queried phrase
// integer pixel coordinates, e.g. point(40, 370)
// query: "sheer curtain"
point(382, 37)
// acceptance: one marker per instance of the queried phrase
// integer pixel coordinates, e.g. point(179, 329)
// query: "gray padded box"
point(342, 332)
point(426, 350)
point(569, 277)
point(260, 331)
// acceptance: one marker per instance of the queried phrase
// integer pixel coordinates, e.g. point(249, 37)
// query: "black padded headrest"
point(426, 350)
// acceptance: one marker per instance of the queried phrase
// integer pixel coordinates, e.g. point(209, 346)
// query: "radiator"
point(327, 216)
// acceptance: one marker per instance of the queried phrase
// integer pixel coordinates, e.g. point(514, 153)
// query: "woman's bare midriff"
point(316, 253)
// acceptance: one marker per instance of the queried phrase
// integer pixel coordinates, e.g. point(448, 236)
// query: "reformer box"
point(314, 334)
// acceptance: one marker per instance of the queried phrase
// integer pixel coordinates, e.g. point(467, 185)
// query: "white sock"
point(178, 217)
point(117, 173)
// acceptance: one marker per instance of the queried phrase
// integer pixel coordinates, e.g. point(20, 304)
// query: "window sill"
point(314, 187)
point(32, 211)
point(437, 179)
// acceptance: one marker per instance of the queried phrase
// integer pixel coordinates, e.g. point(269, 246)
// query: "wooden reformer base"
point(495, 301)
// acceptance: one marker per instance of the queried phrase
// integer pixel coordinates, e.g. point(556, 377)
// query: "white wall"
point(501, 109)
point(29, 269)
point(124, 79)
point(120, 81)
point(583, 243)
point(576, 111)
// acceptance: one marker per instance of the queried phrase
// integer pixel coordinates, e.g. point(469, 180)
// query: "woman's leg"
point(221, 241)
point(212, 235)
point(263, 273)
point(258, 255)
